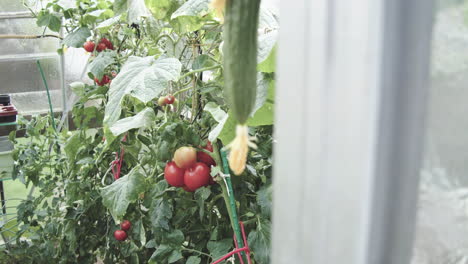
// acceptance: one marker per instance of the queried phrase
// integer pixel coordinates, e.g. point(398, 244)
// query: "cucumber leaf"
point(144, 118)
point(142, 78)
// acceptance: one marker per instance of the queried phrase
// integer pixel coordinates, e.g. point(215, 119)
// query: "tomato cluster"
point(121, 234)
point(190, 169)
point(105, 80)
point(102, 45)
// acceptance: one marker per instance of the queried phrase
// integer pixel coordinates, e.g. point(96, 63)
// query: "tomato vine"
point(169, 49)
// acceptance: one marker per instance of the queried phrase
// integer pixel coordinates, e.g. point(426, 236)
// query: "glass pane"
point(25, 26)
point(12, 6)
point(21, 78)
point(19, 73)
point(442, 227)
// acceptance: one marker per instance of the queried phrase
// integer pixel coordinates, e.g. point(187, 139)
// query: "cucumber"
point(240, 56)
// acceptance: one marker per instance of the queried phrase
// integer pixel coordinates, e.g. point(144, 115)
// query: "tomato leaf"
point(201, 195)
point(117, 196)
point(77, 38)
point(143, 119)
point(161, 213)
point(98, 66)
point(219, 248)
point(193, 260)
point(161, 253)
point(264, 200)
point(174, 238)
point(151, 244)
point(138, 231)
point(259, 242)
point(72, 146)
point(175, 256)
point(143, 78)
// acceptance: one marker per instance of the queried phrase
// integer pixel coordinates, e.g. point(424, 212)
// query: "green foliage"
point(142, 78)
point(77, 38)
point(80, 204)
point(50, 20)
point(98, 66)
point(117, 196)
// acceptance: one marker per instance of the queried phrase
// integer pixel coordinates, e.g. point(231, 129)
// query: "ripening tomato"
point(120, 235)
point(89, 46)
point(101, 47)
point(174, 175)
point(204, 157)
point(162, 101)
point(105, 80)
point(107, 42)
point(185, 157)
point(197, 176)
point(125, 225)
point(169, 99)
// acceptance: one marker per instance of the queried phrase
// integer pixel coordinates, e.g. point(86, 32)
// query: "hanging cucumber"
point(240, 72)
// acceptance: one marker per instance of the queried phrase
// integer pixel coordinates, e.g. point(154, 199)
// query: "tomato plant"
point(151, 49)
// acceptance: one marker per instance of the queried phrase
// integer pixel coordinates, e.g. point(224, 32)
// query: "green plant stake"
point(48, 94)
point(231, 202)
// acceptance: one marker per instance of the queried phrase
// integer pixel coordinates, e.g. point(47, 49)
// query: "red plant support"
point(117, 163)
point(238, 250)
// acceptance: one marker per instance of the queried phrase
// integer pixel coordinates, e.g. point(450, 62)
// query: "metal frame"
point(28, 14)
point(353, 78)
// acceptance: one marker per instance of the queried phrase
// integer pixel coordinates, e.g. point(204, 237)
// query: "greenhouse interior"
point(233, 131)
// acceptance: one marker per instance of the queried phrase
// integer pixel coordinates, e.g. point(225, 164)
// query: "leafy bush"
point(157, 49)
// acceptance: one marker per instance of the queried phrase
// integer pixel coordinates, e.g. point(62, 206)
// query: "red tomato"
point(89, 46)
point(107, 43)
point(169, 99)
point(197, 176)
point(105, 80)
point(101, 47)
point(205, 158)
point(185, 157)
point(125, 225)
point(120, 235)
point(174, 175)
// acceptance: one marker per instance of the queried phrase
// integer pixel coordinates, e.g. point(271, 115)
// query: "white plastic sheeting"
point(442, 227)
